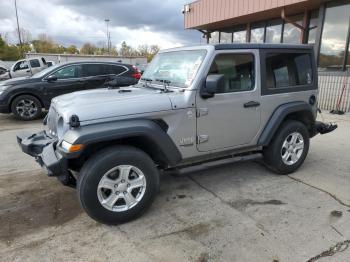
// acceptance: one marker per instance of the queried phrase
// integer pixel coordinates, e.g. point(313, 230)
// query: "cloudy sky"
point(79, 21)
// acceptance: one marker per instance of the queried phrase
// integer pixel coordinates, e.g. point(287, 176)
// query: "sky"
point(79, 21)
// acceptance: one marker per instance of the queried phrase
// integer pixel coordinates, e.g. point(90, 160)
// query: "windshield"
point(45, 71)
point(177, 68)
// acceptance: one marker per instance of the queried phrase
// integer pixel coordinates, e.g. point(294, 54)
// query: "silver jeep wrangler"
point(193, 105)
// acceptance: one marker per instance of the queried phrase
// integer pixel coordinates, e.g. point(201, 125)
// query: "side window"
point(93, 70)
point(114, 69)
point(73, 71)
point(238, 70)
point(21, 66)
point(34, 63)
point(288, 70)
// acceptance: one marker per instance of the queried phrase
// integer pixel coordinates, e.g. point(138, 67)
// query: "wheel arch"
point(25, 94)
point(145, 135)
point(299, 111)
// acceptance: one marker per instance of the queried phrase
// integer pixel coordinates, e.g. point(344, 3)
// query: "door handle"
point(251, 104)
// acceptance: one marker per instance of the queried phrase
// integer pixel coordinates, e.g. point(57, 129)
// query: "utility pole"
point(108, 35)
point(19, 32)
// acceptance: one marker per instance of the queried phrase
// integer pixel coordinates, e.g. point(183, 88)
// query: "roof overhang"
point(214, 14)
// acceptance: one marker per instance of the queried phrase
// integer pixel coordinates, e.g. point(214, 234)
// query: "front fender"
point(126, 129)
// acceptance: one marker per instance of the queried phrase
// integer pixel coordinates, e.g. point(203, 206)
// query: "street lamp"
point(108, 36)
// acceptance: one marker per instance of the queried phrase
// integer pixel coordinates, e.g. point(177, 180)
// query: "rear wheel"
point(288, 149)
point(117, 184)
point(26, 107)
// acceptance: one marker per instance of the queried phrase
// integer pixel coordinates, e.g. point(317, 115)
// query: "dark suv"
point(26, 97)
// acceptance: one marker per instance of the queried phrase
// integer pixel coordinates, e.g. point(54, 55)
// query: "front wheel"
point(117, 184)
point(289, 147)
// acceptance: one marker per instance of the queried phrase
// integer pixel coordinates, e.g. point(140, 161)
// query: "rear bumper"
point(42, 148)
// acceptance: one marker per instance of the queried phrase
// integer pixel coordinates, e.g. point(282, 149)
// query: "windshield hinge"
point(202, 112)
point(202, 139)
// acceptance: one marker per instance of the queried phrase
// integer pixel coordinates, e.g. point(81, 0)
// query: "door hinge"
point(202, 112)
point(202, 139)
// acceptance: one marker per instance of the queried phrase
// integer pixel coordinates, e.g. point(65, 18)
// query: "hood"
point(107, 103)
point(20, 80)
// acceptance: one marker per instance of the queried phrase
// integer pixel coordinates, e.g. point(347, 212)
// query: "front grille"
point(52, 121)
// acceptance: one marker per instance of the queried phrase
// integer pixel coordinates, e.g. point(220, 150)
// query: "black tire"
point(273, 152)
point(33, 107)
point(97, 166)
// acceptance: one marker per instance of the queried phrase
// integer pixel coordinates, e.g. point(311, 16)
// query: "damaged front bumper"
point(43, 148)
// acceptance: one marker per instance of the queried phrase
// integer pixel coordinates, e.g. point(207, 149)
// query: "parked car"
point(3, 70)
point(26, 97)
point(25, 67)
point(216, 103)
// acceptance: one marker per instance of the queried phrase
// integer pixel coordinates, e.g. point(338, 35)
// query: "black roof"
point(262, 46)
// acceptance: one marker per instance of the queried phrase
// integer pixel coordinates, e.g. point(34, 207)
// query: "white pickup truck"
point(25, 67)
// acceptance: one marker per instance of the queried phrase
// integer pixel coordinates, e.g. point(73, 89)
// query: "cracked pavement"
point(237, 212)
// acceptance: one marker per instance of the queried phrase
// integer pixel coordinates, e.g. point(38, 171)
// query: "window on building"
point(273, 31)
point(225, 37)
point(238, 70)
point(257, 33)
point(313, 27)
point(335, 29)
point(214, 38)
point(288, 70)
point(292, 34)
point(239, 37)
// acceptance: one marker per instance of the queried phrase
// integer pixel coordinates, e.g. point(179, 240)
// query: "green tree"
point(72, 49)
point(88, 49)
point(9, 52)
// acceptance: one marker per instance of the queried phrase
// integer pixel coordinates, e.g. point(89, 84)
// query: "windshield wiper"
point(166, 84)
point(147, 80)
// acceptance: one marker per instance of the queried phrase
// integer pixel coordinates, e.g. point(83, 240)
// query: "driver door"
point(69, 79)
point(231, 118)
point(21, 69)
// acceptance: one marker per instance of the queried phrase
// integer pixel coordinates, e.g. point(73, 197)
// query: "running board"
point(202, 166)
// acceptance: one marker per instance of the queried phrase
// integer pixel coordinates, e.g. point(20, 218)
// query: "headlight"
point(70, 147)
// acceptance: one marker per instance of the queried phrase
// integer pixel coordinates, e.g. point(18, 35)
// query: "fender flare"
point(280, 114)
point(127, 129)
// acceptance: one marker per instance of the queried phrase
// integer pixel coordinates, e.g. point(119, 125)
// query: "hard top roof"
point(261, 46)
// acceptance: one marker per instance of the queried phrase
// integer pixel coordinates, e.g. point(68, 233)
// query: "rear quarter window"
point(288, 70)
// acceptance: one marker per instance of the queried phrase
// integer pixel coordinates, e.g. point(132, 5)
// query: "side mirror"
point(213, 84)
point(51, 78)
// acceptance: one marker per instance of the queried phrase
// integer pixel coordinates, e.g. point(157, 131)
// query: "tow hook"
point(68, 180)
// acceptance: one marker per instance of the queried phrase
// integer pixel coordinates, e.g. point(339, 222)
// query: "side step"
point(210, 164)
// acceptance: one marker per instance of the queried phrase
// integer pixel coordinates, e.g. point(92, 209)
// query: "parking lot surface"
point(237, 212)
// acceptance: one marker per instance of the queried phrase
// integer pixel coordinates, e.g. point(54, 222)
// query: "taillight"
point(136, 73)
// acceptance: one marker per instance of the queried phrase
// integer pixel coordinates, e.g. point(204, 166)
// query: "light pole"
point(19, 32)
point(107, 22)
